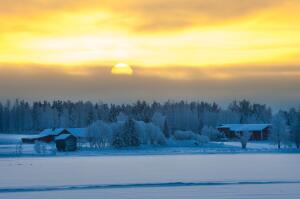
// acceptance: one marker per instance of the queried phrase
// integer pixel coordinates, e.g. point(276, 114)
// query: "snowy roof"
point(54, 132)
point(77, 132)
point(245, 127)
point(63, 136)
point(31, 137)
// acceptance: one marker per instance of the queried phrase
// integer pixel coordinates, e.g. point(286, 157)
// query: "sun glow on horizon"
point(121, 69)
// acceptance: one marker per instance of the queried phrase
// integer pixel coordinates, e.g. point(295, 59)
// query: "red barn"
point(49, 135)
point(259, 131)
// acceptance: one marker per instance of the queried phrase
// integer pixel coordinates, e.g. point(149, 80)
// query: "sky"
point(121, 51)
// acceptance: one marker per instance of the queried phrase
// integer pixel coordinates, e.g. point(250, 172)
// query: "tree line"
point(171, 117)
point(22, 116)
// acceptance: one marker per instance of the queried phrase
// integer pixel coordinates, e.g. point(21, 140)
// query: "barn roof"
point(63, 137)
point(77, 132)
point(54, 132)
point(245, 127)
point(31, 137)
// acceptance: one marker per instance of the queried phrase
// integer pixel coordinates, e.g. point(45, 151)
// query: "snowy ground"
point(215, 170)
point(158, 176)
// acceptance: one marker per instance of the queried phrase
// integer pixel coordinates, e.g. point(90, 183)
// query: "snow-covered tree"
point(244, 137)
point(99, 134)
point(128, 137)
point(149, 134)
point(212, 133)
point(279, 134)
point(295, 129)
point(158, 119)
point(155, 134)
point(117, 128)
point(191, 136)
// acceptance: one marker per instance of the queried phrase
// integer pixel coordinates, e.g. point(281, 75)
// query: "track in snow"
point(140, 185)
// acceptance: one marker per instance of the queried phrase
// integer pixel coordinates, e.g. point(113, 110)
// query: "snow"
point(181, 170)
point(152, 176)
point(77, 132)
point(48, 132)
point(255, 145)
point(62, 137)
point(272, 191)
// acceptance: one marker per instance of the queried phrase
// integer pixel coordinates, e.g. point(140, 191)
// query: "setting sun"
point(122, 69)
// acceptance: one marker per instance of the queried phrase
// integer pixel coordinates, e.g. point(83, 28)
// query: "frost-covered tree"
point(295, 129)
point(99, 134)
point(244, 137)
point(158, 119)
point(279, 134)
point(117, 140)
point(212, 133)
point(149, 134)
point(128, 136)
point(190, 136)
point(155, 135)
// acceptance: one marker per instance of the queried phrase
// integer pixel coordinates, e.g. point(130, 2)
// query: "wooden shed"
point(66, 142)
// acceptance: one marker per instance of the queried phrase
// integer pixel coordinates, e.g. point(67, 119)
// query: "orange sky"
point(150, 33)
point(168, 39)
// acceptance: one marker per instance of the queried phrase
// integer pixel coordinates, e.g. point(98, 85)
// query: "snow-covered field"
point(214, 170)
point(152, 176)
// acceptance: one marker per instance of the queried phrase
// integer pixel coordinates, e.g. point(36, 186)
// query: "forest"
point(22, 116)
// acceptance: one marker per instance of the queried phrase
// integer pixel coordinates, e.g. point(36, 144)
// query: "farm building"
point(51, 135)
point(259, 131)
point(66, 142)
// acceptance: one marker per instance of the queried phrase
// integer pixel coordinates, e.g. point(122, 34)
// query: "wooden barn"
point(56, 135)
point(66, 142)
point(259, 131)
